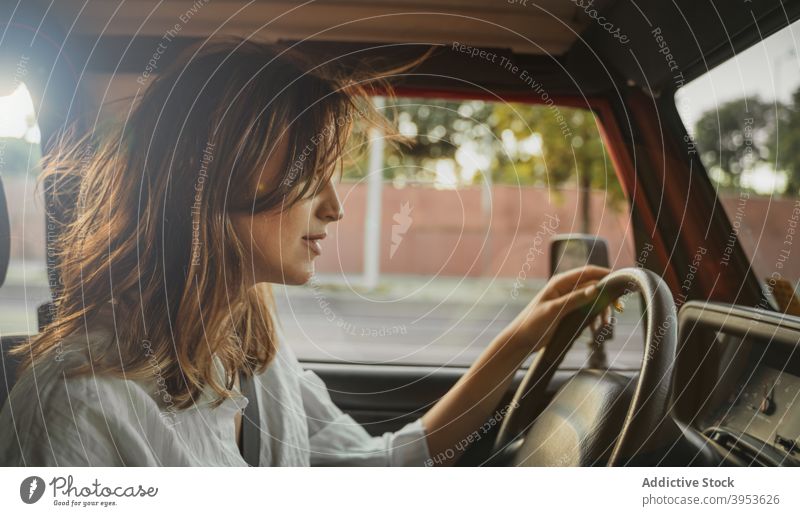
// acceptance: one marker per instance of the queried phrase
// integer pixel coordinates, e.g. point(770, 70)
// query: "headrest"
point(5, 235)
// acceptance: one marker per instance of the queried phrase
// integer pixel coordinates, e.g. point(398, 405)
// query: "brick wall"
point(450, 232)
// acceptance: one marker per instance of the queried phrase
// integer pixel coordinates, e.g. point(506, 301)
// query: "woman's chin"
point(296, 273)
point(301, 276)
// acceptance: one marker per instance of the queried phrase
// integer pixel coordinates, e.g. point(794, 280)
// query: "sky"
point(770, 70)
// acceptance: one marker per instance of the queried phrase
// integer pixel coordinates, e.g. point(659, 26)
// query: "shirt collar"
point(155, 385)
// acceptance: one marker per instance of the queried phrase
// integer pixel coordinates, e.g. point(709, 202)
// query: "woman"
point(220, 182)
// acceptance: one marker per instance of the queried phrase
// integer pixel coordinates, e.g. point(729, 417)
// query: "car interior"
point(714, 375)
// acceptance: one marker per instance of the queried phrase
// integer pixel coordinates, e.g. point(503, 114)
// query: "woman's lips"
point(312, 241)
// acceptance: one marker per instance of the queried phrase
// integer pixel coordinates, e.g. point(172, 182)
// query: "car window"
point(445, 238)
point(25, 287)
point(744, 117)
point(433, 258)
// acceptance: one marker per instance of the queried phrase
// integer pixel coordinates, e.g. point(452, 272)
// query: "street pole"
point(372, 219)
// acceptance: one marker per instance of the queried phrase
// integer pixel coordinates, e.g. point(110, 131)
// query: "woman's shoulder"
point(53, 418)
point(80, 421)
point(49, 383)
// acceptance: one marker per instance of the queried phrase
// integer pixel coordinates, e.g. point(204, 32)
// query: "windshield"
point(447, 240)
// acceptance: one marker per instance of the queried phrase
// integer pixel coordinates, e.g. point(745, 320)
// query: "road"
point(336, 327)
point(343, 325)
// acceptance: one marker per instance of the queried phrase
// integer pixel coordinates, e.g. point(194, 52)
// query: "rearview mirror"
point(576, 250)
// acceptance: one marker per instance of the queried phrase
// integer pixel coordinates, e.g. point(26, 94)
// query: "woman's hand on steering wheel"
point(468, 404)
point(563, 293)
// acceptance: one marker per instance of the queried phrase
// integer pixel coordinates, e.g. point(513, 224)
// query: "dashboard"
point(737, 382)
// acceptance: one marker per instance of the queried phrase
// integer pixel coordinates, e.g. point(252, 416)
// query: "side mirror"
point(576, 250)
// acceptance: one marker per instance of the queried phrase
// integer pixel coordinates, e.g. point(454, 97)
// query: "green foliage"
point(785, 144)
point(573, 157)
point(517, 144)
point(734, 138)
point(745, 133)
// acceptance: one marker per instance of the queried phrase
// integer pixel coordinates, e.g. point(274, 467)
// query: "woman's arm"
point(468, 405)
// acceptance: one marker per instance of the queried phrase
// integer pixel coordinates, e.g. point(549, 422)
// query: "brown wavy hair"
point(149, 236)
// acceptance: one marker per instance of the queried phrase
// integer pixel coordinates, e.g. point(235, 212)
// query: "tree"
point(734, 138)
point(517, 144)
point(571, 153)
point(785, 142)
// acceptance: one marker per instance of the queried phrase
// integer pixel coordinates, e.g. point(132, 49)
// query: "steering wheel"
point(597, 417)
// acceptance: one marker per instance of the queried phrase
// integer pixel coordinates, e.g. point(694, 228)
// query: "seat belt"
point(251, 433)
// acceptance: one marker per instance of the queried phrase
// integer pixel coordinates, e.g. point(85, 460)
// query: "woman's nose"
point(337, 215)
point(331, 207)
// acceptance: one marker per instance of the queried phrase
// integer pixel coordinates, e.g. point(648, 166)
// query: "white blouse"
point(97, 420)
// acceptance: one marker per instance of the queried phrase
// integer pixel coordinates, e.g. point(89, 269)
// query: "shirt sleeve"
point(64, 427)
point(336, 439)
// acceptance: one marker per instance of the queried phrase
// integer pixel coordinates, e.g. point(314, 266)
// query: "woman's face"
point(280, 247)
